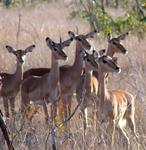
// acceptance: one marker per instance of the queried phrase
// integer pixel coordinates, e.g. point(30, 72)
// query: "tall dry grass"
point(53, 20)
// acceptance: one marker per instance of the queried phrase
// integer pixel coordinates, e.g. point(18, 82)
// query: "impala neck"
point(18, 75)
point(88, 75)
point(110, 51)
point(77, 66)
point(102, 88)
point(54, 73)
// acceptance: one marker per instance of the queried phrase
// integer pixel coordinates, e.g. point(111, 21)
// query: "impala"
point(11, 82)
point(115, 106)
point(45, 89)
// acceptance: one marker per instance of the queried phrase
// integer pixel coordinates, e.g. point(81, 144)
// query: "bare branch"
point(5, 132)
point(18, 29)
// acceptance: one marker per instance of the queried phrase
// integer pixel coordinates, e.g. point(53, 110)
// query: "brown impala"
point(115, 106)
point(46, 88)
point(11, 82)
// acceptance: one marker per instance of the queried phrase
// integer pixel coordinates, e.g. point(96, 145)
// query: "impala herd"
point(57, 85)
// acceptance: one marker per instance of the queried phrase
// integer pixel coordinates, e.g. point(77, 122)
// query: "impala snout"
point(118, 69)
point(122, 49)
point(89, 47)
point(65, 58)
point(62, 55)
point(126, 52)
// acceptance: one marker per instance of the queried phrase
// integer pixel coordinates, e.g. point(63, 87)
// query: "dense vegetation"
point(97, 14)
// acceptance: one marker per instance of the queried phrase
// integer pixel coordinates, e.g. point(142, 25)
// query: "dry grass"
point(52, 20)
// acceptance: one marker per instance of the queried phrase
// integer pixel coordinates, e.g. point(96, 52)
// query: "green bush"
point(7, 3)
point(105, 23)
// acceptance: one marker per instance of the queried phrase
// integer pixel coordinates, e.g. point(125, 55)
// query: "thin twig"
point(5, 132)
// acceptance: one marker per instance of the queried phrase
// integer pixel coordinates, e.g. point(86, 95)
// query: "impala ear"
point(10, 49)
point(30, 48)
point(71, 34)
point(91, 34)
point(67, 42)
point(122, 36)
point(50, 42)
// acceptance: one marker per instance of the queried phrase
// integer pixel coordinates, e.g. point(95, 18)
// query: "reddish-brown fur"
point(116, 105)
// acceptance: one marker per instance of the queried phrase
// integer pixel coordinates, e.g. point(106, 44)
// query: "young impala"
point(115, 106)
point(11, 82)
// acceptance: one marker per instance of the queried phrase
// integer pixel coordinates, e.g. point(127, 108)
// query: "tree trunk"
point(116, 3)
point(102, 6)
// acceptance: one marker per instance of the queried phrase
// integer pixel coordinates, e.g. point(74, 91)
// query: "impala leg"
point(109, 133)
point(131, 122)
point(86, 117)
point(24, 102)
point(61, 112)
point(125, 135)
point(68, 109)
point(113, 133)
point(65, 111)
point(46, 112)
point(6, 106)
point(12, 104)
point(84, 121)
point(69, 105)
point(53, 111)
point(65, 100)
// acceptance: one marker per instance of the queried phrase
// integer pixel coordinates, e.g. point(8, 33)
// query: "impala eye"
point(114, 43)
point(104, 61)
point(80, 39)
point(55, 49)
point(88, 60)
point(16, 54)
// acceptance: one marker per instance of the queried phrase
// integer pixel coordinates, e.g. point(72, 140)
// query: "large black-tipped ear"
point(67, 42)
point(49, 42)
point(10, 49)
point(122, 36)
point(71, 34)
point(29, 49)
point(91, 34)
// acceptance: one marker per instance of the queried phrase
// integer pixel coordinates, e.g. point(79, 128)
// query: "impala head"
point(108, 64)
point(57, 48)
point(82, 39)
point(20, 54)
point(90, 60)
point(115, 44)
